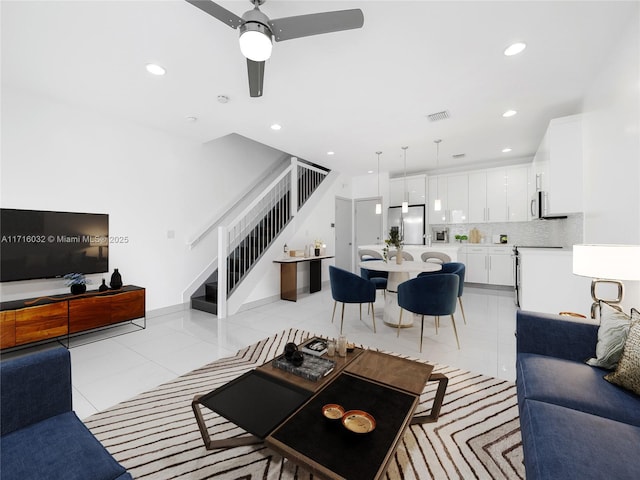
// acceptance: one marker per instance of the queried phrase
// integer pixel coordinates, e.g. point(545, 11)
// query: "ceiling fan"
point(257, 31)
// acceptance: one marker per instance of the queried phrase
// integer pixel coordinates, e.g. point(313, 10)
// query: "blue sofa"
point(40, 436)
point(575, 424)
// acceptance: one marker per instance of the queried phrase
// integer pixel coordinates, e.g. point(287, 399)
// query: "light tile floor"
point(114, 368)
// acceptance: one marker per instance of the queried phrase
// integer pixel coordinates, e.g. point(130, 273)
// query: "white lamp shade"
point(437, 205)
point(610, 262)
point(378, 209)
point(255, 45)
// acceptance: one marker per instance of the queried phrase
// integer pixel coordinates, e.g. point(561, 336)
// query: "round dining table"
point(398, 273)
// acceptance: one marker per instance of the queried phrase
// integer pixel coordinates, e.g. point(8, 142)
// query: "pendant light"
point(437, 203)
point(378, 205)
point(405, 203)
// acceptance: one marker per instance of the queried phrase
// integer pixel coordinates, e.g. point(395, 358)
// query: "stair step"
point(211, 291)
point(204, 305)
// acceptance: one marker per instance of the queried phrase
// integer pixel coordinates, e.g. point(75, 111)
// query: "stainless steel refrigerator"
point(411, 224)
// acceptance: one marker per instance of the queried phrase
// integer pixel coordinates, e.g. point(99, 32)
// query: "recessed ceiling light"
point(155, 69)
point(191, 119)
point(506, 150)
point(369, 171)
point(223, 99)
point(276, 126)
point(331, 153)
point(509, 113)
point(515, 49)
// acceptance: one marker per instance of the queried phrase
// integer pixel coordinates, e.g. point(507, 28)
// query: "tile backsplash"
point(561, 232)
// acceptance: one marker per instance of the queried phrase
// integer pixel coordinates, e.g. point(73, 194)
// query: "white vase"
point(399, 257)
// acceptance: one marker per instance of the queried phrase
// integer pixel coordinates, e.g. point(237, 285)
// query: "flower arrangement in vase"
point(77, 281)
point(395, 240)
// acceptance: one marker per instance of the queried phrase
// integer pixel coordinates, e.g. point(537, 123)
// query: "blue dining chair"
point(377, 277)
point(459, 269)
point(433, 295)
point(347, 287)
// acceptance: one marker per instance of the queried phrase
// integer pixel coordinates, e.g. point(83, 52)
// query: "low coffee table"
point(385, 386)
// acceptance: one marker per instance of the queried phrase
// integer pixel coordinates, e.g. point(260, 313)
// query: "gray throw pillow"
point(627, 375)
point(612, 335)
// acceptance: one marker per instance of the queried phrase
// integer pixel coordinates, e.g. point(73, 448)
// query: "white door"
point(344, 232)
point(368, 225)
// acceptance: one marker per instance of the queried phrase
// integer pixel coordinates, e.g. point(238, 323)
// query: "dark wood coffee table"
point(385, 386)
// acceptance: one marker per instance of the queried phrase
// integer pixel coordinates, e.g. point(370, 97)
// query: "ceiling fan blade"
point(215, 10)
point(316, 23)
point(256, 77)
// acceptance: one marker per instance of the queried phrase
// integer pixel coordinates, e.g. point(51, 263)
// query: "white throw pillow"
point(612, 335)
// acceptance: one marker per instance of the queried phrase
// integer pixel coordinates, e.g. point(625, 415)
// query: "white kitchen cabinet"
point(496, 195)
point(501, 267)
point(489, 265)
point(415, 190)
point(499, 195)
point(557, 166)
point(396, 192)
point(453, 192)
point(518, 194)
point(458, 198)
point(437, 190)
point(476, 266)
point(477, 197)
point(417, 187)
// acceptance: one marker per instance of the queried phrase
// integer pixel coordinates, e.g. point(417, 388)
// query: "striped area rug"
point(155, 436)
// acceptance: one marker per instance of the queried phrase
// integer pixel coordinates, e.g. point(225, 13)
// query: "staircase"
point(255, 230)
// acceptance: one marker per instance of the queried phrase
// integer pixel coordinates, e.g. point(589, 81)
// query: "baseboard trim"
point(159, 312)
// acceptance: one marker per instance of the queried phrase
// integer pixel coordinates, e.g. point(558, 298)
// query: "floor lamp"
point(606, 264)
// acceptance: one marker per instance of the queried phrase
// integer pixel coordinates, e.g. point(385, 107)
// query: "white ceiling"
point(352, 92)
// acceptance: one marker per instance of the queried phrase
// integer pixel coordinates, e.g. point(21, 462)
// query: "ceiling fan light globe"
point(255, 43)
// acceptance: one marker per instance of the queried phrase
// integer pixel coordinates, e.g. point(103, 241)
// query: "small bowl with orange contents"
point(332, 411)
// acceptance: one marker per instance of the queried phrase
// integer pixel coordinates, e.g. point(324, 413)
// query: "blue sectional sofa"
point(40, 436)
point(575, 424)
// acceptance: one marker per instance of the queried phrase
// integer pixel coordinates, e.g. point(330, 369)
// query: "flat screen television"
point(41, 244)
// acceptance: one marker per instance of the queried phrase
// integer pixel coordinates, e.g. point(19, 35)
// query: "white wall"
point(612, 149)
point(60, 157)
point(313, 222)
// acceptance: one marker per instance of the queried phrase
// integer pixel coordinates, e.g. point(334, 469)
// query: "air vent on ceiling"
point(459, 155)
point(434, 117)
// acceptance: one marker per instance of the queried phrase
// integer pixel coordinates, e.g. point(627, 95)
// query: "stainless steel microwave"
point(538, 204)
point(440, 235)
point(539, 207)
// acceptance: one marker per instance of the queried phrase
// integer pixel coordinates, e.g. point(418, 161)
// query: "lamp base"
point(597, 300)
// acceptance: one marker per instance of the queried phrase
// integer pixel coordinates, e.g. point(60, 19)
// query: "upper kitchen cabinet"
point(458, 198)
point(518, 193)
point(499, 195)
point(416, 187)
point(452, 191)
point(437, 207)
point(557, 166)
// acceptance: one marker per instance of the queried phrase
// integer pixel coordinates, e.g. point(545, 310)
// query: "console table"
point(289, 275)
point(45, 318)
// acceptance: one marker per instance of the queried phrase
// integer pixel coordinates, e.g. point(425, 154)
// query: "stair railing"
point(243, 240)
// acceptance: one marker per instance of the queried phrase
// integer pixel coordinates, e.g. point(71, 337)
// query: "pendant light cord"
point(406, 195)
point(437, 142)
